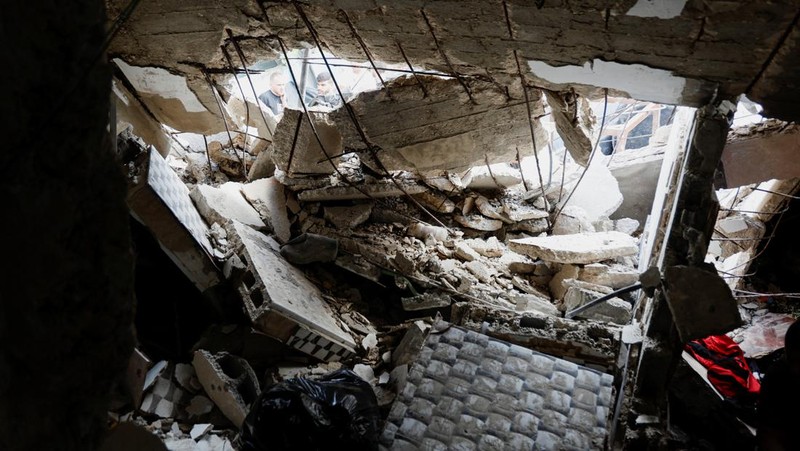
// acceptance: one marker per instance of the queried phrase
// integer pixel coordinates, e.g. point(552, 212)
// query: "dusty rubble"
point(289, 248)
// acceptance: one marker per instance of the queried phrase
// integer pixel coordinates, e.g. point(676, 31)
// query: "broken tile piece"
point(348, 217)
point(278, 297)
point(581, 248)
point(224, 203)
point(268, 197)
point(229, 382)
point(479, 222)
point(199, 430)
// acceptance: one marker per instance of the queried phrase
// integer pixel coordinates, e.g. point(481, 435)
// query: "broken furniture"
point(468, 391)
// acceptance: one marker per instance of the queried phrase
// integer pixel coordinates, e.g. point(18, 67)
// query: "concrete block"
point(557, 287)
point(572, 220)
point(490, 209)
point(224, 203)
point(700, 301)
point(582, 248)
point(516, 210)
point(501, 176)
point(229, 382)
point(268, 197)
point(348, 217)
point(283, 303)
point(480, 270)
point(425, 231)
point(159, 199)
point(574, 122)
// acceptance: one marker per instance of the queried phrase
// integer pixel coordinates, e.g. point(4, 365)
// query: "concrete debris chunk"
point(480, 270)
point(598, 193)
point(425, 231)
point(444, 181)
point(435, 201)
point(426, 301)
point(309, 248)
point(379, 189)
point(479, 222)
point(574, 123)
point(268, 197)
point(557, 287)
point(225, 203)
point(465, 252)
point(229, 382)
point(614, 276)
point(490, 247)
point(486, 208)
point(501, 176)
point(603, 224)
point(282, 303)
point(369, 342)
point(581, 248)
point(409, 346)
point(294, 142)
point(365, 372)
point(532, 226)
point(516, 210)
point(614, 310)
point(626, 225)
point(533, 303)
point(348, 217)
point(510, 262)
point(572, 220)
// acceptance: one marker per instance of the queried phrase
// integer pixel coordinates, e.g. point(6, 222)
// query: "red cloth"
point(727, 368)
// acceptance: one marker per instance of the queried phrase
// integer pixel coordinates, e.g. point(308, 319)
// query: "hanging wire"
point(591, 156)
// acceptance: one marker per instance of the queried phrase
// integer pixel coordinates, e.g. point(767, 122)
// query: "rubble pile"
point(346, 268)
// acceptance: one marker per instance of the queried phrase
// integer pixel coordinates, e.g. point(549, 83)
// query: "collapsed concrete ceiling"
point(681, 52)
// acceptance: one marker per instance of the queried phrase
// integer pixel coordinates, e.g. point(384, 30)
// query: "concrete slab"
point(478, 222)
point(283, 303)
point(466, 390)
point(223, 203)
point(572, 220)
point(614, 310)
point(268, 197)
point(581, 249)
point(160, 200)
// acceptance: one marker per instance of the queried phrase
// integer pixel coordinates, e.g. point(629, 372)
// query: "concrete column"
point(66, 302)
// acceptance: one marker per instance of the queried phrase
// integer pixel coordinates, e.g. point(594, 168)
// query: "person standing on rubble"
point(779, 400)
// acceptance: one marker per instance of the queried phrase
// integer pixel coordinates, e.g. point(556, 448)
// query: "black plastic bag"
point(338, 411)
